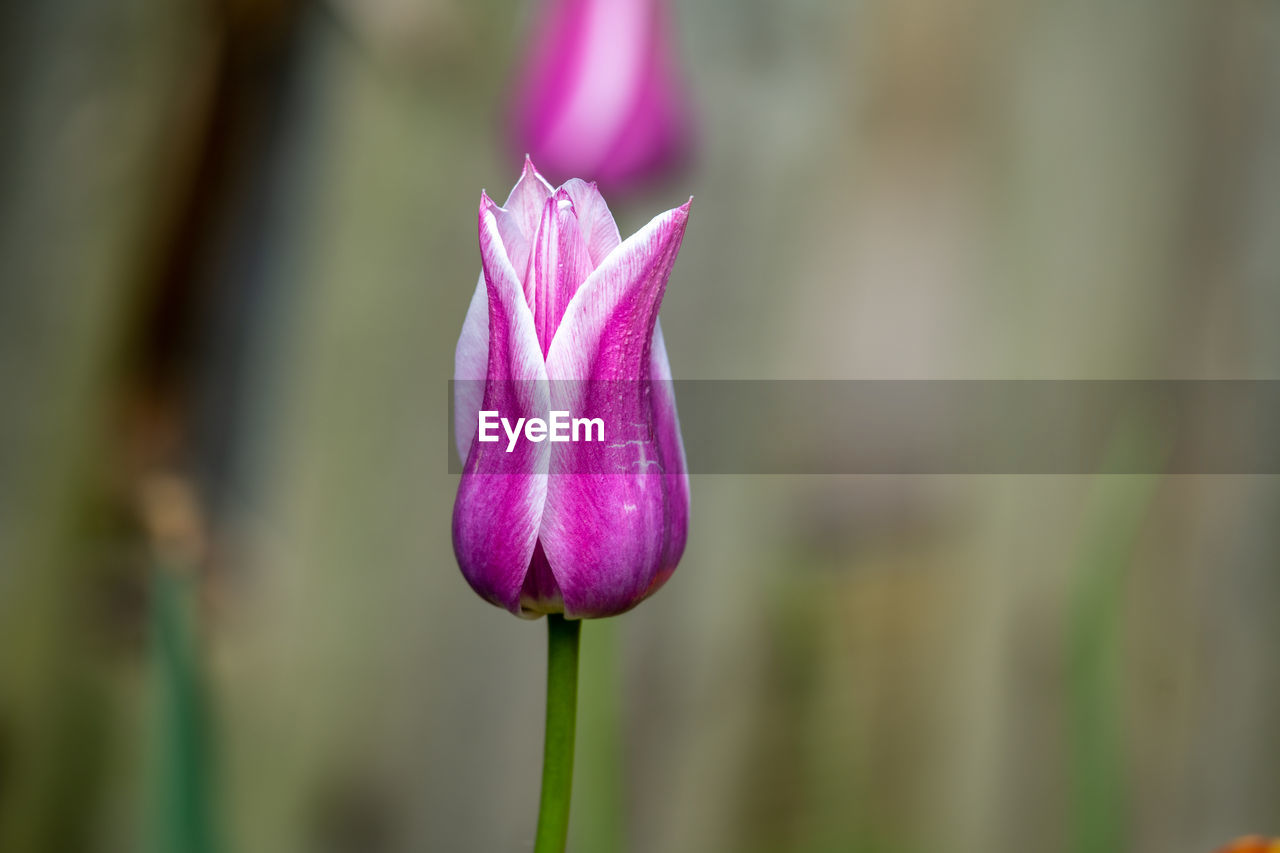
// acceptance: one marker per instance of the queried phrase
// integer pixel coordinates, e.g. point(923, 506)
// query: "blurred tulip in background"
point(599, 95)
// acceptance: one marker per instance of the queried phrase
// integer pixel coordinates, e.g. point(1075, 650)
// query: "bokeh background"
point(237, 240)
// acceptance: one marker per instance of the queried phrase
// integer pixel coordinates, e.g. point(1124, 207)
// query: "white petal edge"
point(470, 367)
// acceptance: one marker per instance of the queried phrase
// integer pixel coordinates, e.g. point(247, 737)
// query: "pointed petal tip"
point(486, 203)
point(530, 170)
point(680, 214)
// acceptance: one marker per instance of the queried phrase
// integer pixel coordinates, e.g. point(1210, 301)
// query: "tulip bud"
point(564, 321)
point(599, 95)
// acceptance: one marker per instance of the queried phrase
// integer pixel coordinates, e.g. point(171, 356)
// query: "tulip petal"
point(501, 494)
point(470, 367)
point(558, 265)
point(671, 449)
point(608, 526)
point(519, 216)
point(540, 594)
point(597, 224)
point(517, 223)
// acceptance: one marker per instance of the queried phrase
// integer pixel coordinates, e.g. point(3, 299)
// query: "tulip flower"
point(599, 94)
point(565, 318)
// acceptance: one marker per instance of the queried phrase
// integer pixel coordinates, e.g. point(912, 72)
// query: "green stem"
point(557, 755)
point(183, 819)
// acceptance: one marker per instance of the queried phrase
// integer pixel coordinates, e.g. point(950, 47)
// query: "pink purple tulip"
point(565, 318)
point(599, 94)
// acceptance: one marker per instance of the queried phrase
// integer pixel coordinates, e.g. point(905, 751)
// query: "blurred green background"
point(237, 240)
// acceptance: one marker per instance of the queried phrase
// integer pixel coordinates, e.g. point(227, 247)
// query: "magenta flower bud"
point(599, 94)
point(565, 320)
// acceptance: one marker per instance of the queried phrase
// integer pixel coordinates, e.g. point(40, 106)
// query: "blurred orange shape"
point(1252, 844)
